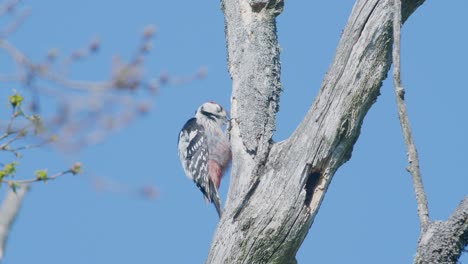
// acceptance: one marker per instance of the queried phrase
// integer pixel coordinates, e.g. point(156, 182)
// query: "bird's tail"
point(213, 197)
point(217, 205)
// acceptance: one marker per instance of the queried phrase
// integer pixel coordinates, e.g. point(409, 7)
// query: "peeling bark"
point(276, 188)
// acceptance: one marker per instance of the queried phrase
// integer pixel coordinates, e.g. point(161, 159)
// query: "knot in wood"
point(400, 92)
point(259, 5)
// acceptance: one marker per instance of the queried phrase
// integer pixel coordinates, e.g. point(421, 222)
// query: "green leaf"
point(8, 169)
point(22, 133)
point(15, 100)
point(41, 175)
point(76, 168)
point(53, 138)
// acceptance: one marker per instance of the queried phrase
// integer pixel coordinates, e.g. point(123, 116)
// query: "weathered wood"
point(443, 242)
point(276, 189)
point(411, 151)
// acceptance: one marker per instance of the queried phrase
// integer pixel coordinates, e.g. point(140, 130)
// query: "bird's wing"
point(195, 159)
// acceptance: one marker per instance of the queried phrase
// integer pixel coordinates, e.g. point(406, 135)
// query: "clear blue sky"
point(369, 212)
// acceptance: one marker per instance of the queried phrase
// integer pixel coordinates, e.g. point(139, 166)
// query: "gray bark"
point(440, 242)
point(276, 188)
point(443, 242)
point(411, 151)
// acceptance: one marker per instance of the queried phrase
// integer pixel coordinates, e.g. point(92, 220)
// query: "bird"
point(205, 151)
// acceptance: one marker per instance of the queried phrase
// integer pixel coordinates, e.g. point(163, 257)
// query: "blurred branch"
point(41, 175)
point(411, 151)
point(102, 184)
point(71, 112)
point(8, 143)
point(15, 23)
point(8, 6)
point(8, 212)
point(87, 111)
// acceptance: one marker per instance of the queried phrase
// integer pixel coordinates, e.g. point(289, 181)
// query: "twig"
point(12, 26)
point(108, 185)
point(38, 145)
point(411, 152)
point(8, 6)
point(10, 122)
point(37, 179)
point(8, 212)
point(5, 146)
point(4, 78)
point(21, 59)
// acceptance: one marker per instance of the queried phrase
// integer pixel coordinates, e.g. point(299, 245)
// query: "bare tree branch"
point(440, 242)
point(8, 212)
point(411, 151)
point(41, 175)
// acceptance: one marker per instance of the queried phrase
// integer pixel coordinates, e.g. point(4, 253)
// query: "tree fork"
point(276, 188)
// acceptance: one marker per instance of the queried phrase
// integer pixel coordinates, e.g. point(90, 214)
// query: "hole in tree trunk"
point(311, 182)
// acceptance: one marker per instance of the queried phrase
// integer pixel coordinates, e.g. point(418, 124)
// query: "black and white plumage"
point(204, 150)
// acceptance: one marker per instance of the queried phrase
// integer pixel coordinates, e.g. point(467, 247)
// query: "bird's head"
point(213, 112)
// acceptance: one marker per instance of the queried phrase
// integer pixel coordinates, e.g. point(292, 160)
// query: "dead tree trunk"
point(276, 188)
